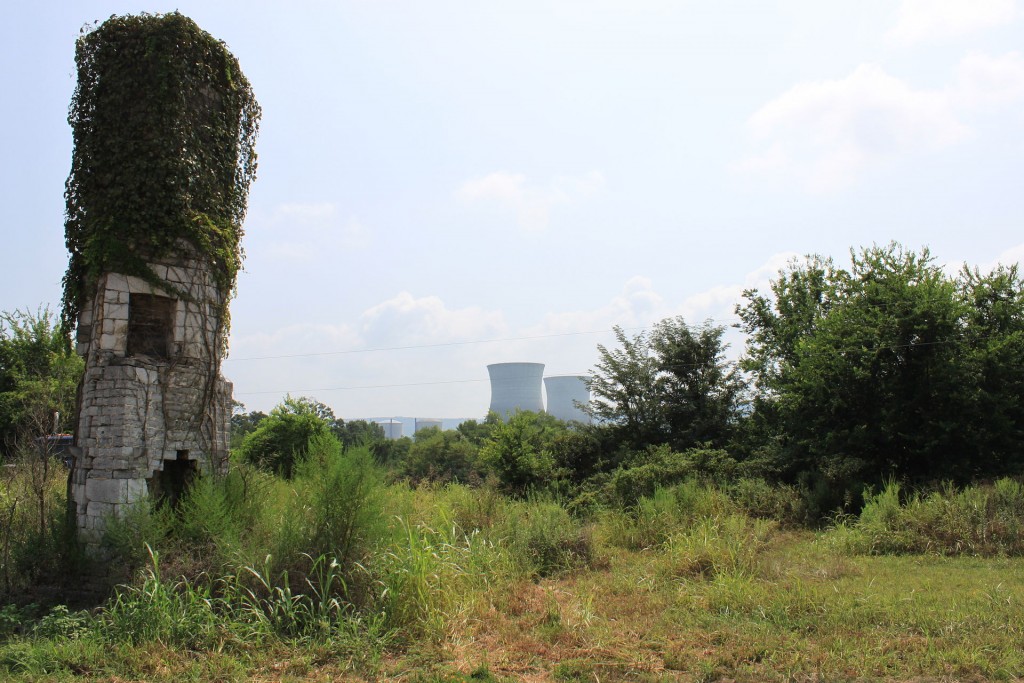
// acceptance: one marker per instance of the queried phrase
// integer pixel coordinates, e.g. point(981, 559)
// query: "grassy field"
point(455, 583)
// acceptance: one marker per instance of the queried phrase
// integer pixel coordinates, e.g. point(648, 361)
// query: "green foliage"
point(280, 440)
point(344, 501)
point(650, 521)
point(889, 369)
point(251, 606)
point(660, 466)
point(441, 456)
point(670, 386)
point(977, 520)
point(62, 623)
point(731, 545)
point(544, 539)
point(164, 125)
point(624, 389)
point(243, 423)
point(783, 503)
point(478, 432)
point(518, 451)
point(38, 546)
point(38, 378)
point(355, 433)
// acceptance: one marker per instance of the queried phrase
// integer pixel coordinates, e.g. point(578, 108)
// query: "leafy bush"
point(660, 466)
point(279, 441)
point(343, 496)
point(779, 502)
point(441, 456)
point(517, 452)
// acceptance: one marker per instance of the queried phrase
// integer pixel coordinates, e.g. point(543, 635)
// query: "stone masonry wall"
point(139, 412)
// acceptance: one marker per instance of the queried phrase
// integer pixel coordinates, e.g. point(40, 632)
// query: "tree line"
point(889, 368)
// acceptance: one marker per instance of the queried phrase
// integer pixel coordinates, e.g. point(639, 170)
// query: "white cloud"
point(1008, 257)
point(824, 133)
point(305, 232)
point(408, 320)
point(981, 80)
point(532, 203)
point(926, 21)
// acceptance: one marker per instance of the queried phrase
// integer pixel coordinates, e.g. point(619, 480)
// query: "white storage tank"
point(516, 386)
point(426, 423)
point(392, 428)
point(564, 392)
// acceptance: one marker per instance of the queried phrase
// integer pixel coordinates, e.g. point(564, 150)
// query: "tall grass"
point(336, 561)
point(976, 520)
point(38, 549)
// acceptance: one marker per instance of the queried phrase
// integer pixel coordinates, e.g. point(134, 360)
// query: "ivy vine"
point(164, 126)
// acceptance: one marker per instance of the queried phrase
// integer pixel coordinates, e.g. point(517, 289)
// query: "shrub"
point(279, 441)
point(541, 536)
point(713, 546)
point(660, 466)
point(780, 502)
point(38, 545)
point(342, 500)
point(438, 456)
point(978, 520)
point(518, 451)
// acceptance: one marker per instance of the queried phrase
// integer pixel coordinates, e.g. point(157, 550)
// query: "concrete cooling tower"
point(516, 386)
point(563, 393)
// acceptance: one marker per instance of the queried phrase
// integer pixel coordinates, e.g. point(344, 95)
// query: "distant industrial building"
point(427, 423)
point(392, 428)
point(564, 392)
point(516, 386)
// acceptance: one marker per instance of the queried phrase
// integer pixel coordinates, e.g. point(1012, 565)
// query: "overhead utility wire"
point(377, 386)
point(890, 347)
point(428, 346)
point(729, 321)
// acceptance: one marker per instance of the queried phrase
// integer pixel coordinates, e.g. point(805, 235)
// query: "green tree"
point(995, 337)
point(39, 376)
point(892, 368)
point(478, 432)
point(441, 456)
point(519, 450)
point(700, 391)
point(280, 440)
point(243, 423)
point(355, 433)
point(625, 389)
point(670, 386)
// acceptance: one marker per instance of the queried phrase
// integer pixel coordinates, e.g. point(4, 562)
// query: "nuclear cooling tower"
point(564, 391)
point(516, 386)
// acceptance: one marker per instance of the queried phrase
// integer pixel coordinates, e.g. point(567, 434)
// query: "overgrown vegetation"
point(335, 573)
point(164, 125)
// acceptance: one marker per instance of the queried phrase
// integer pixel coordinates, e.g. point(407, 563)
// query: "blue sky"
point(444, 185)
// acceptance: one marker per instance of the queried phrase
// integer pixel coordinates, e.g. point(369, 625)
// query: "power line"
point(729, 321)
point(378, 386)
point(427, 346)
